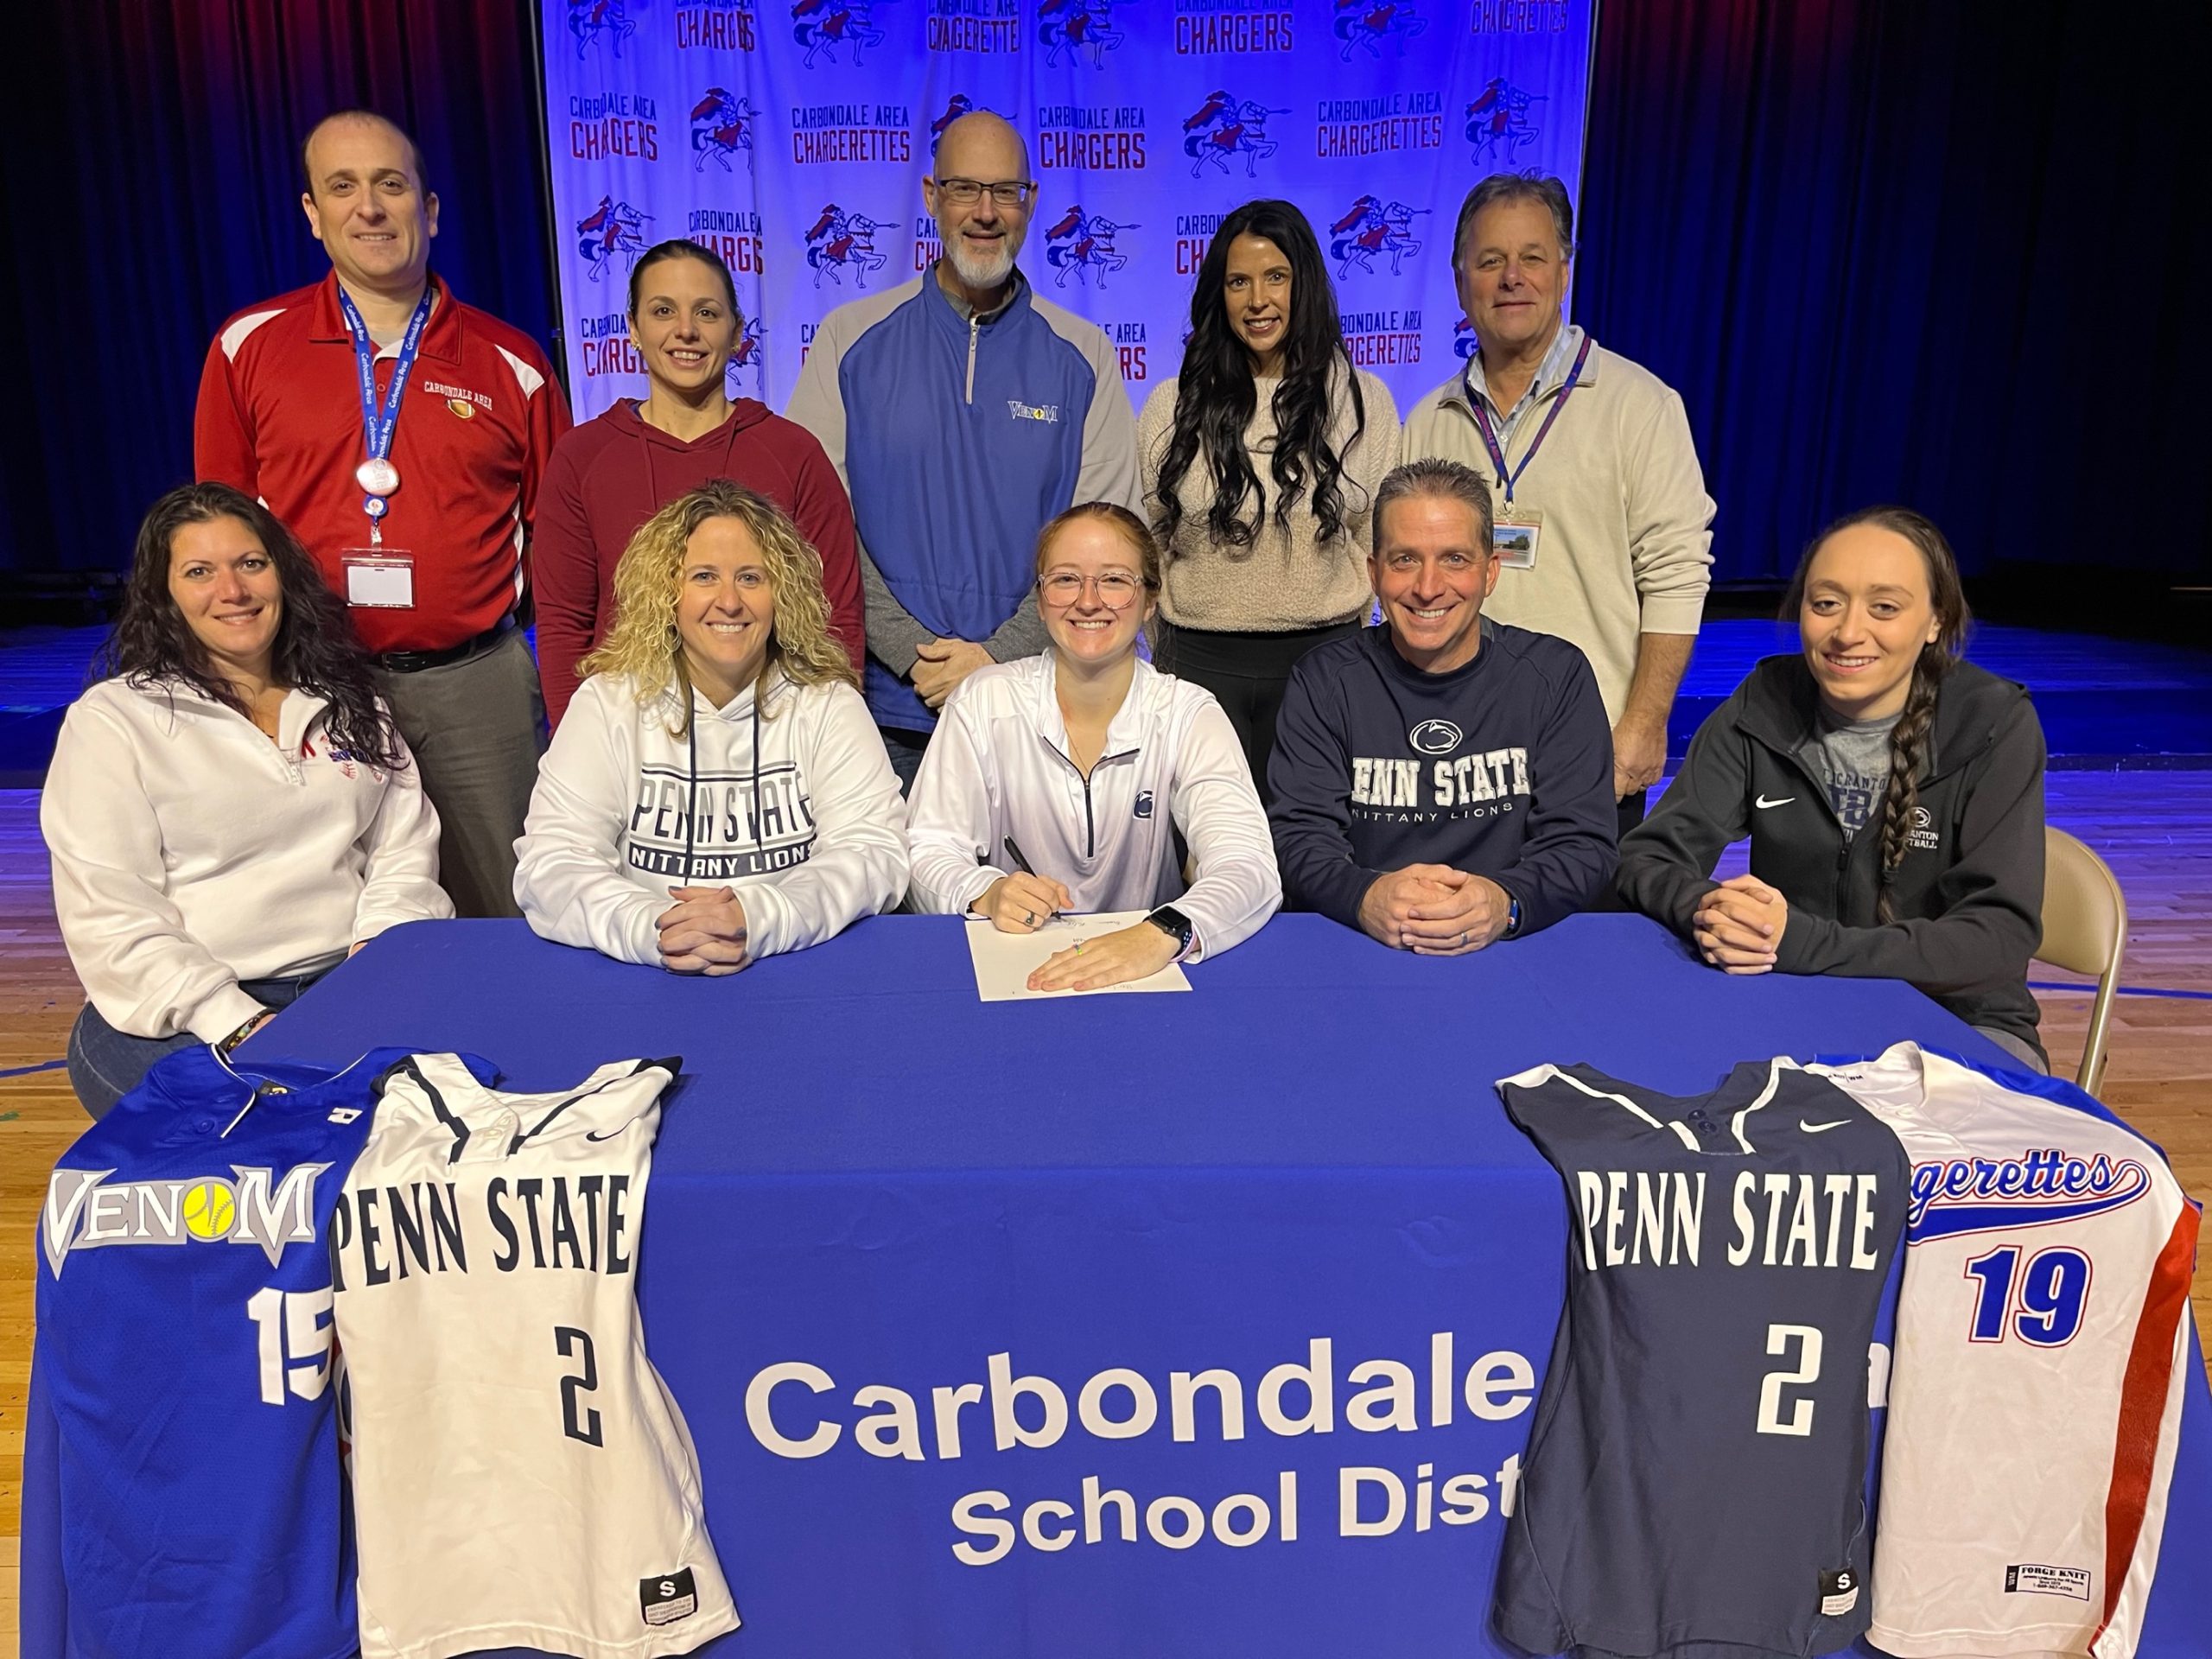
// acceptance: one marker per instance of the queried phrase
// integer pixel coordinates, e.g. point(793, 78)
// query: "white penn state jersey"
point(2036, 1386)
point(522, 1477)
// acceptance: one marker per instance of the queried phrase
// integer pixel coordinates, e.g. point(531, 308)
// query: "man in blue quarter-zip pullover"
point(962, 412)
point(1443, 780)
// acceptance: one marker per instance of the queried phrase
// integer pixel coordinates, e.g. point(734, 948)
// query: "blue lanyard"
point(377, 425)
point(1490, 438)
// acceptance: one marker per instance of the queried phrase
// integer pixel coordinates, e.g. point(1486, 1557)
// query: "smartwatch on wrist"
point(1175, 924)
point(1512, 918)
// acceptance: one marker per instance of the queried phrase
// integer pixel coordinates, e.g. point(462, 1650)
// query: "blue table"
point(871, 1188)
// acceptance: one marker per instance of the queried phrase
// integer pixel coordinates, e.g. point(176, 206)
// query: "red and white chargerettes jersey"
point(2036, 1386)
point(522, 1477)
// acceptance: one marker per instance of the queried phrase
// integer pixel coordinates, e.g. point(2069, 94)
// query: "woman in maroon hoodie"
point(609, 475)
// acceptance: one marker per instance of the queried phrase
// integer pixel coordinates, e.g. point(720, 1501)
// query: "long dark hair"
point(315, 649)
point(1216, 395)
point(1909, 737)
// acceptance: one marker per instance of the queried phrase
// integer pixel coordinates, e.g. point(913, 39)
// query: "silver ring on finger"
point(1030, 916)
point(1463, 936)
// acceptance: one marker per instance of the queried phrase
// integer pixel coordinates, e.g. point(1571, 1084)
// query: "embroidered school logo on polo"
point(459, 399)
point(1049, 413)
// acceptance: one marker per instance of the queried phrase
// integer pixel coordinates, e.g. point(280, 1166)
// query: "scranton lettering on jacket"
point(1659, 1218)
point(710, 829)
point(1482, 784)
point(582, 1224)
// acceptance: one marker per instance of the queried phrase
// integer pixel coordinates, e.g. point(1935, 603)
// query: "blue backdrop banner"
point(791, 137)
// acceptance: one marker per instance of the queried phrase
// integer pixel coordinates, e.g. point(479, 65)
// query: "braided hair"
point(1917, 721)
point(1216, 395)
point(315, 649)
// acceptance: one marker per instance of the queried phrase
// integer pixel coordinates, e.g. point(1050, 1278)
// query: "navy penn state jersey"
point(184, 1351)
point(1693, 1480)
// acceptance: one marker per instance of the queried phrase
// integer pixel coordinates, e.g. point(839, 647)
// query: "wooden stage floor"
point(2154, 827)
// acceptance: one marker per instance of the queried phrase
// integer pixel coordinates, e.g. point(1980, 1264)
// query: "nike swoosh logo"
point(594, 1135)
point(1763, 804)
point(1816, 1128)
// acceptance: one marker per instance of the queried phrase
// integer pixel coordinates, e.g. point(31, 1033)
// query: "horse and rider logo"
point(745, 357)
point(1069, 27)
point(722, 124)
point(591, 21)
point(1224, 127)
point(1369, 229)
point(1499, 124)
point(613, 227)
point(959, 105)
point(823, 26)
point(844, 241)
point(1083, 242)
point(1369, 23)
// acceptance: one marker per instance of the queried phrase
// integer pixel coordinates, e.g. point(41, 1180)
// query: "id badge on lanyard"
point(1515, 528)
point(378, 576)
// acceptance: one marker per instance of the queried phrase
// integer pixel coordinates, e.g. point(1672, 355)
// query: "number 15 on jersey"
point(292, 1336)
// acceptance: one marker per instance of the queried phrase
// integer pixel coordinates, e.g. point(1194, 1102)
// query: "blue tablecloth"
point(867, 1180)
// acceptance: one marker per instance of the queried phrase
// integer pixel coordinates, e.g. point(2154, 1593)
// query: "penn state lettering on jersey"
point(2041, 1353)
point(184, 1349)
point(531, 1224)
point(723, 825)
point(1692, 1477)
point(483, 1254)
point(1503, 767)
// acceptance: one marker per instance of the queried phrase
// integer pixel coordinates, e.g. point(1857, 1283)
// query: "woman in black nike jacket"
point(1892, 793)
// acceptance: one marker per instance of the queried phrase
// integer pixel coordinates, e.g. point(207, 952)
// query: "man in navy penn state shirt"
point(1442, 781)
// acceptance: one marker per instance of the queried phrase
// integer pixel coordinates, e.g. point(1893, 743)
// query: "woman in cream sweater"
point(1259, 468)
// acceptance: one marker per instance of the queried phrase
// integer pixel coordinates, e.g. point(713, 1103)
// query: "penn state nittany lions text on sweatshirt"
point(1503, 767)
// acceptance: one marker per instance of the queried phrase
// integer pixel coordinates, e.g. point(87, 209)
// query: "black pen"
point(1014, 852)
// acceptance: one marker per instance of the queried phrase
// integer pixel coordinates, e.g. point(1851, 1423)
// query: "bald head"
point(984, 146)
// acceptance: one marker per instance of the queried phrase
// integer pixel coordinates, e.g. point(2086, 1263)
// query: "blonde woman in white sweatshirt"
point(1057, 783)
point(230, 810)
point(716, 791)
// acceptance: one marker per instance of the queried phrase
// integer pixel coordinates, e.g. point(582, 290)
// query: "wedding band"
point(1030, 916)
point(1463, 936)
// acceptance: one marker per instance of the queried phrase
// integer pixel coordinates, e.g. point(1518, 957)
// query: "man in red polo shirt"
point(402, 435)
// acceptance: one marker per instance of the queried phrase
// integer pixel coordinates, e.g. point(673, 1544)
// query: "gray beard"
point(989, 274)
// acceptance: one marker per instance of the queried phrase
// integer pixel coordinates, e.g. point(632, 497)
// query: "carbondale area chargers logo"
point(613, 227)
point(1226, 126)
point(843, 241)
point(722, 124)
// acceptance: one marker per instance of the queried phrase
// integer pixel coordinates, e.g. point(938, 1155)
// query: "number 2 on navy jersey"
point(1779, 1340)
point(2053, 1294)
point(292, 1334)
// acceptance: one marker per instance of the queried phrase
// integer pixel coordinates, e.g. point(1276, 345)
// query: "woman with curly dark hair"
point(1259, 468)
point(230, 810)
point(1892, 793)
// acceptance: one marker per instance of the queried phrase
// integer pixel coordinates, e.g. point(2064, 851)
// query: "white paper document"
point(1005, 961)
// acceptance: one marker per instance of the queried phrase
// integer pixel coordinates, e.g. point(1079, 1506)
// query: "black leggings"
point(1247, 672)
